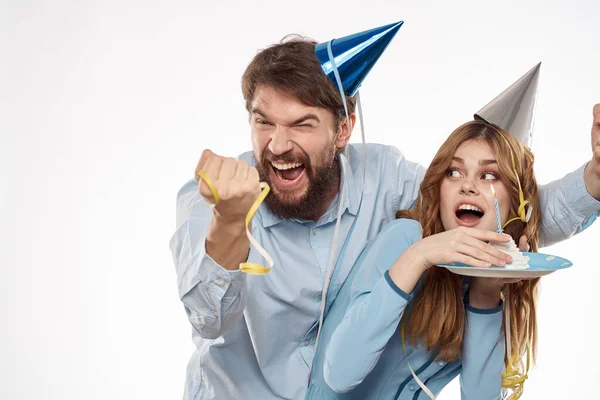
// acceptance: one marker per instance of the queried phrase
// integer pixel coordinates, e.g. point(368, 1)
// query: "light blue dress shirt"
point(360, 353)
point(254, 335)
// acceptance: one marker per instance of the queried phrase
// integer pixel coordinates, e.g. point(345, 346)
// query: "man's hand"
point(236, 183)
point(237, 186)
point(591, 175)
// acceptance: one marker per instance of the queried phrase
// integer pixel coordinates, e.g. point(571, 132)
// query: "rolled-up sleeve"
point(213, 297)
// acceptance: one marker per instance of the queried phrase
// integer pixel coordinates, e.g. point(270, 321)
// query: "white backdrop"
point(107, 105)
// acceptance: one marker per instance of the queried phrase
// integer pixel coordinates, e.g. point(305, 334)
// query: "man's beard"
point(321, 180)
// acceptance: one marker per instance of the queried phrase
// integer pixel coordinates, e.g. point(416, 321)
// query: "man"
point(255, 334)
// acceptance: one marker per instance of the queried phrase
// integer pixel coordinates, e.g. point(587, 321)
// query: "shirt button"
point(441, 363)
point(306, 342)
point(220, 282)
point(411, 387)
point(313, 231)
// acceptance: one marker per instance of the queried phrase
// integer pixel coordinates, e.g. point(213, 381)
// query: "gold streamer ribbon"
point(247, 267)
point(522, 214)
point(512, 378)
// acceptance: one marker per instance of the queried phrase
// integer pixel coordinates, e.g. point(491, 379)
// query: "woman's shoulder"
point(403, 229)
point(393, 240)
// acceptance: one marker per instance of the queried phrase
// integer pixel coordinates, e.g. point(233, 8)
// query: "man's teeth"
point(469, 207)
point(283, 167)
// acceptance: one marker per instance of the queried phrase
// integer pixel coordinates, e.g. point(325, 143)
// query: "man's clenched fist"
point(237, 185)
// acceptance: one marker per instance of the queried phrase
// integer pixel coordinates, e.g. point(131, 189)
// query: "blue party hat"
point(355, 55)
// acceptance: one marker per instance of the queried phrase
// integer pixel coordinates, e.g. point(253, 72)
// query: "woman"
point(398, 312)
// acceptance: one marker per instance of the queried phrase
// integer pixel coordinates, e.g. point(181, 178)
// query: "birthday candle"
point(497, 210)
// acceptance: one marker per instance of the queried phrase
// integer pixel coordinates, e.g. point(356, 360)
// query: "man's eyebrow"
point(256, 110)
point(306, 118)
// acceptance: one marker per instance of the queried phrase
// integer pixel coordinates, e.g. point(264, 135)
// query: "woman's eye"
point(453, 173)
point(490, 176)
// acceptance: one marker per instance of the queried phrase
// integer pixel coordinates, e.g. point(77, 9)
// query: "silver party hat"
point(513, 109)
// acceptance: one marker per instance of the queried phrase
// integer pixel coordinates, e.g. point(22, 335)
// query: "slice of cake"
point(519, 261)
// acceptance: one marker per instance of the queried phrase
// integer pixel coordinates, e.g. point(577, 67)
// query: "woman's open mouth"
point(469, 214)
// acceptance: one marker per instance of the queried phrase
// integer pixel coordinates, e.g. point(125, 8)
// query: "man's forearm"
point(227, 243)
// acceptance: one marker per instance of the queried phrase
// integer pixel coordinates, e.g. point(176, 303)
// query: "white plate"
point(539, 265)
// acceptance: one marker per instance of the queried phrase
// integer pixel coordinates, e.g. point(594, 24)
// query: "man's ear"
point(344, 131)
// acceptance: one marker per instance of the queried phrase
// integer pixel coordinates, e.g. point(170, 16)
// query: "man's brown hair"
point(293, 67)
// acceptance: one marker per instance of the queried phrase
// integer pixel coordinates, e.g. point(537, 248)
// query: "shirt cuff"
point(207, 272)
point(395, 287)
point(579, 199)
point(217, 276)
